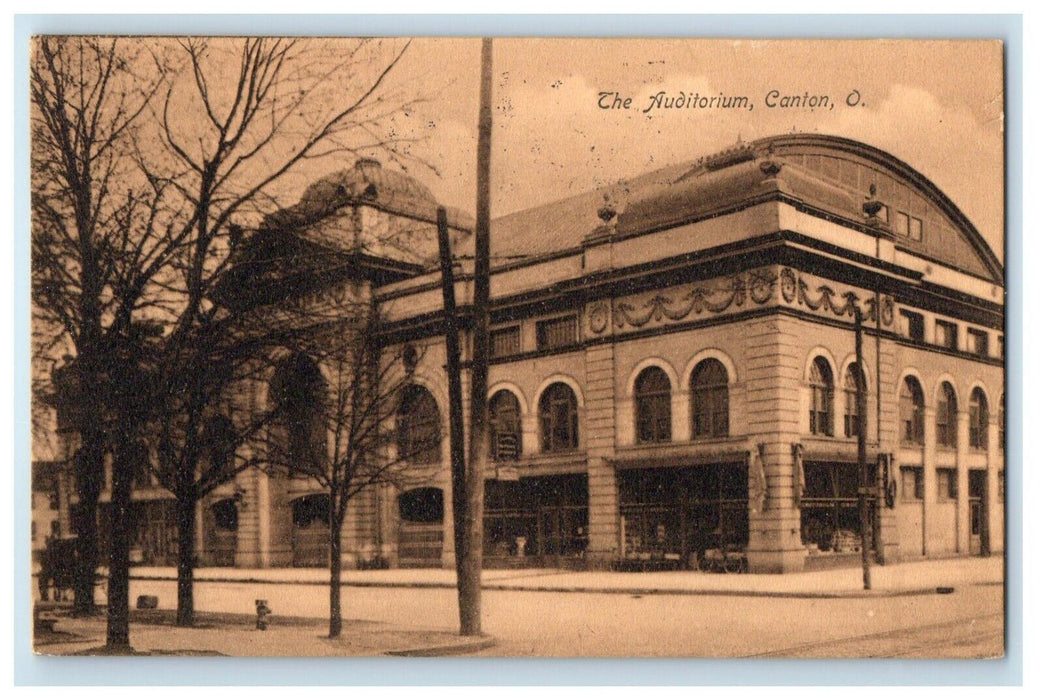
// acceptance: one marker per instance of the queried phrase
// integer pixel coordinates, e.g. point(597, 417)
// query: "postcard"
point(518, 347)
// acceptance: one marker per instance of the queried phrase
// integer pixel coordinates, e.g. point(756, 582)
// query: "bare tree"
point(339, 398)
point(232, 122)
point(92, 248)
point(238, 119)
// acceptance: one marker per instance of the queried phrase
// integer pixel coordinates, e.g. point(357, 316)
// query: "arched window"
point(418, 426)
point(505, 427)
point(652, 405)
point(821, 409)
point(311, 510)
point(978, 420)
point(852, 379)
point(709, 387)
point(558, 420)
point(299, 392)
point(423, 505)
point(911, 412)
point(226, 515)
point(946, 417)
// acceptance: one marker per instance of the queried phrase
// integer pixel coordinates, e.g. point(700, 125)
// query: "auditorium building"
point(673, 368)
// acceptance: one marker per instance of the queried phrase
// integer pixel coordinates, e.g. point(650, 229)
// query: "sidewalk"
point(898, 579)
point(153, 633)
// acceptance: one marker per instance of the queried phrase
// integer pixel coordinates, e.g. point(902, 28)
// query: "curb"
point(466, 647)
point(609, 590)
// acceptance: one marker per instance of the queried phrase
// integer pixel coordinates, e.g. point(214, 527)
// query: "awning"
point(670, 456)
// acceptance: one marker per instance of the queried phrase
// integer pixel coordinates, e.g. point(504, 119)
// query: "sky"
point(938, 105)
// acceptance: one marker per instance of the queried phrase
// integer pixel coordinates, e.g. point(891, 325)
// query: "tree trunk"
point(118, 632)
point(90, 468)
point(186, 514)
point(335, 574)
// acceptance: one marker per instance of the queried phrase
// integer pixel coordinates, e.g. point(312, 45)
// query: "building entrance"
point(536, 521)
point(221, 522)
point(310, 534)
point(978, 537)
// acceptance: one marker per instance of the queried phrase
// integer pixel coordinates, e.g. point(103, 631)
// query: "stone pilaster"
point(931, 486)
point(994, 504)
point(598, 428)
point(773, 369)
point(962, 482)
point(887, 435)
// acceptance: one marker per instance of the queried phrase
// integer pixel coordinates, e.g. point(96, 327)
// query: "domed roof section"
point(830, 175)
point(365, 183)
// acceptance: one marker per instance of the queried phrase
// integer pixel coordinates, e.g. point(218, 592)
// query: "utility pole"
point(478, 447)
point(865, 489)
point(456, 418)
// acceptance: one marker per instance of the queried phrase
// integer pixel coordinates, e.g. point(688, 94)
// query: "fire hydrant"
point(263, 611)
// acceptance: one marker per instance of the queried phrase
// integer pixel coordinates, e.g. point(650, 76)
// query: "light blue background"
point(32, 670)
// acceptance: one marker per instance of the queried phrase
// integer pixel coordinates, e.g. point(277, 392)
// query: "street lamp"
point(865, 487)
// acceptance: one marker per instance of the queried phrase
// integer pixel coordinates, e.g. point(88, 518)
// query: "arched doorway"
point(222, 532)
point(310, 530)
point(421, 514)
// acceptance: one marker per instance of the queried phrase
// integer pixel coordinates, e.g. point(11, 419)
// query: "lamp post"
point(865, 489)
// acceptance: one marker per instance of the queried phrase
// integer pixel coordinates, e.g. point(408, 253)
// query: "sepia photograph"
point(517, 347)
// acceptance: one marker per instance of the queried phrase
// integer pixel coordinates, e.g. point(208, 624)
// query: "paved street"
point(967, 623)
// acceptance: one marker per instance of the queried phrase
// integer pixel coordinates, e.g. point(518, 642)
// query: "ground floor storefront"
point(536, 521)
point(679, 517)
point(685, 516)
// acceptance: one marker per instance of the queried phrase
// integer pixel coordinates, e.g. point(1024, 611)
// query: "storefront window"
point(674, 514)
point(540, 516)
point(830, 507)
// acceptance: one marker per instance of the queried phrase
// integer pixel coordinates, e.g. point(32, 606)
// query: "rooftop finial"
point(607, 212)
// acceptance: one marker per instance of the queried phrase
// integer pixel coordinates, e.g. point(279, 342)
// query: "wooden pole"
point(864, 482)
point(478, 446)
point(456, 418)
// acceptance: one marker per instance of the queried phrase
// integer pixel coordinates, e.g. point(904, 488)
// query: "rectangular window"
point(556, 332)
point(912, 484)
point(946, 483)
point(830, 507)
point(902, 224)
point(916, 229)
point(914, 325)
point(978, 342)
point(946, 334)
point(504, 342)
